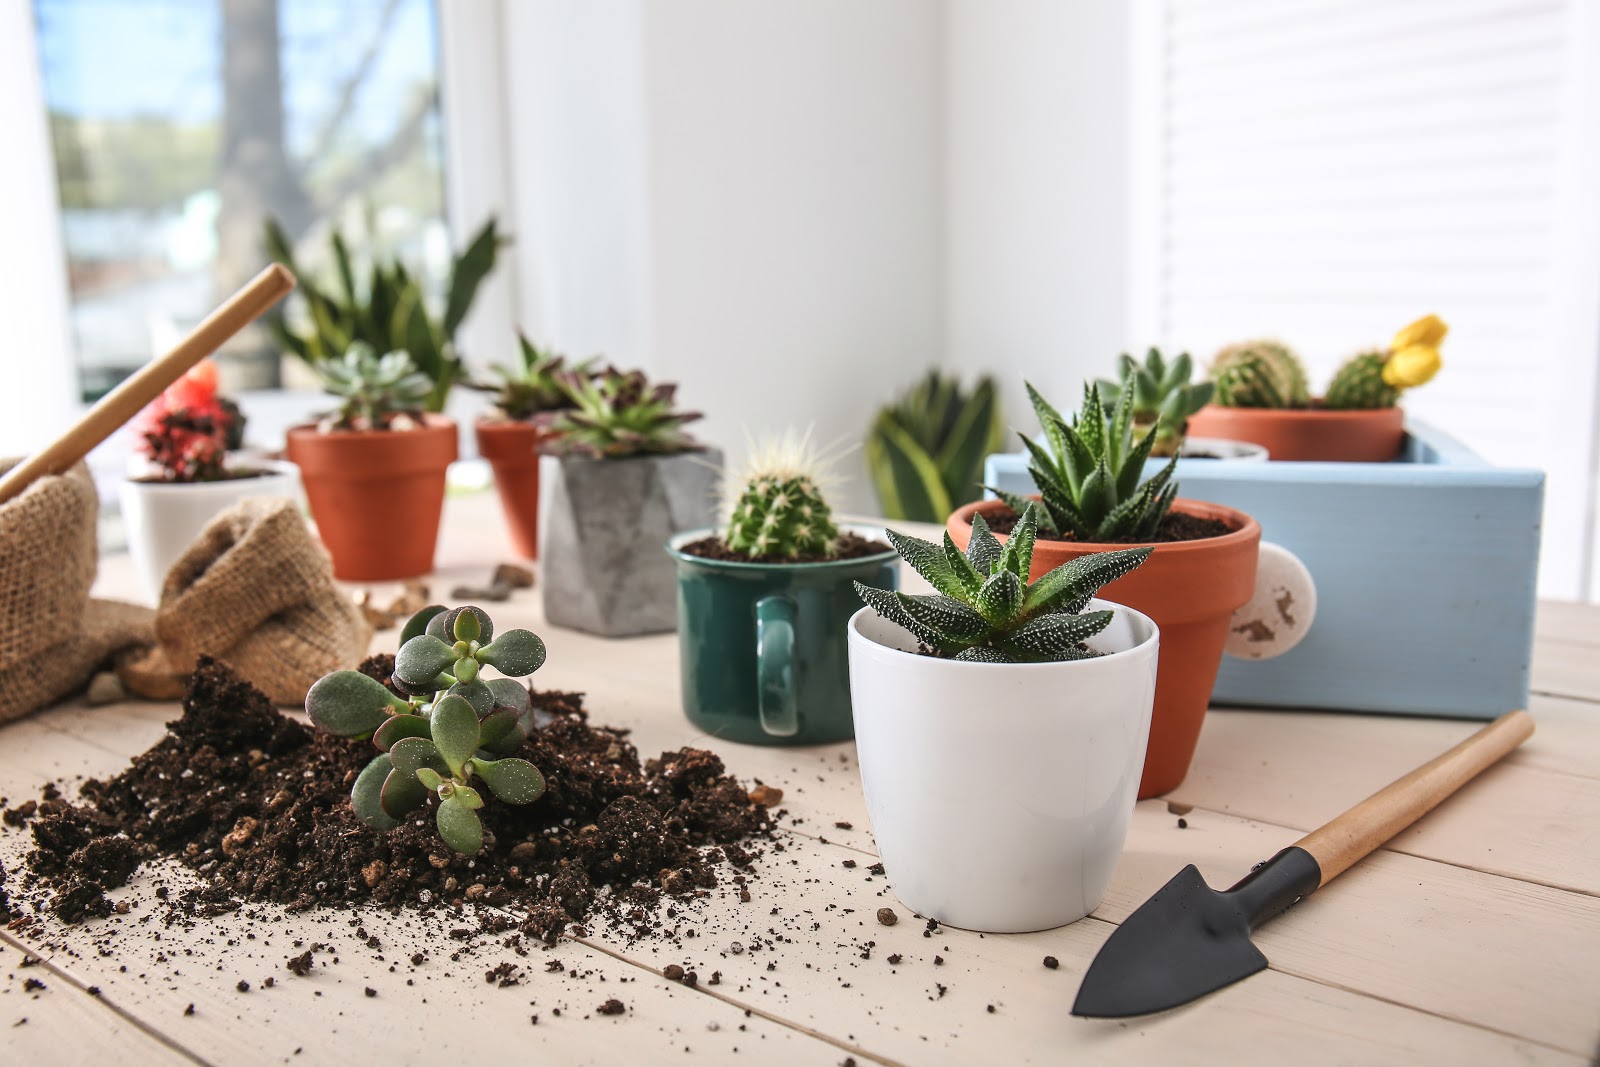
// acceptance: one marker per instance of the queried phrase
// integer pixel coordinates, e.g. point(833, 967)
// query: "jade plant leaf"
point(477, 693)
point(429, 778)
point(455, 731)
point(402, 793)
point(501, 731)
point(411, 754)
point(417, 625)
point(466, 626)
point(349, 704)
point(515, 652)
point(468, 796)
point(422, 659)
point(459, 826)
point(444, 626)
point(466, 668)
point(397, 727)
point(514, 781)
point(366, 795)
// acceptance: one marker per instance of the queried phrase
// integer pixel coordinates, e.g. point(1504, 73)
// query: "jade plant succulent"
point(777, 508)
point(1259, 374)
point(378, 392)
point(1088, 473)
point(616, 414)
point(454, 728)
point(984, 610)
point(1163, 397)
point(533, 386)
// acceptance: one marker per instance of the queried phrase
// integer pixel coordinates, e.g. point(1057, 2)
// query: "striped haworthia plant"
point(984, 610)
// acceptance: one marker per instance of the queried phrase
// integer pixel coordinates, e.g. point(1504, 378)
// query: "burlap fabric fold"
point(52, 635)
point(255, 590)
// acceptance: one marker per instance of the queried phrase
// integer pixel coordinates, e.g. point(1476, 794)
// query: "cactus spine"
point(1358, 385)
point(1259, 374)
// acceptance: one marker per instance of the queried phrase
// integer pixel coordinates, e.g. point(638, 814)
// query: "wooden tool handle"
point(147, 383)
point(1397, 805)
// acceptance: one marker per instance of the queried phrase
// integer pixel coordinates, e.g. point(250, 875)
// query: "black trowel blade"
point(1189, 939)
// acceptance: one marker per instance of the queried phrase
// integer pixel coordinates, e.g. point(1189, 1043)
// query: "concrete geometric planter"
point(602, 527)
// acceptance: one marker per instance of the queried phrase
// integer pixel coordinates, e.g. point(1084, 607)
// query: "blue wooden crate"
point(1425, 569)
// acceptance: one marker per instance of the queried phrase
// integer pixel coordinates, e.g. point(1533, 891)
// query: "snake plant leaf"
point(983, 654)
point(411, 754)
point(1018, 554)
point(883, 601)
point(500, 731)
point(945, 616)
point(515, 781)
point(1072, 585)
point(402, 793)
point(366, 795)
point(350, 704)
point(422, 659)
point(1056, 636)
point(397, 727)
point(976, 431)
point(908, 480)
point(961, 567)
point(455, 731)
point(1000, 598)
point(515, 652)
point(983, 549)
point(417, 625)
point(459, 826)
point(468, 273)
point(928, 560)
point(430, 778)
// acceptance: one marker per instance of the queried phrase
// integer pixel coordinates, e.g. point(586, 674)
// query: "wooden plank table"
point(1473, 938)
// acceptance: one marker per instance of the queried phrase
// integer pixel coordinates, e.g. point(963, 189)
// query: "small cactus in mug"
point(447, 732)
point(1259, 374)
point(780, 511)
point(985, 611)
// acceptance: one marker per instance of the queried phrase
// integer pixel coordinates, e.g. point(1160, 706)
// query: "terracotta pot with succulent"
point(926, 450)
point(620, 477)
point(1164, 401)
point(527, 398)
point(374, 471)
point(763, 602)
point(184, 478)
point(1034, 697)
point(1262, 396)
point(454, 728)
point(1202, 569)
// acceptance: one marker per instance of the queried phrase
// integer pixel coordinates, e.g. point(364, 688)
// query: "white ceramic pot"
point(162, 519)
point(1223, 450)
point(1000, 794)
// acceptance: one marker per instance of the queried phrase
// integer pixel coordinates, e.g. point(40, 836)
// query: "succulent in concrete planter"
point(374, 471)
point(455, 728)
point(1357, 420)
point(620, 476)
point(184, 476)
point(528, 397)
point(763, 602)
point(1038, 691)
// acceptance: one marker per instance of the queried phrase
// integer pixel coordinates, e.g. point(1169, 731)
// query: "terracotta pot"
point(1191, 589)
point(376, 495)
point(1314, 434)
point(511, 448)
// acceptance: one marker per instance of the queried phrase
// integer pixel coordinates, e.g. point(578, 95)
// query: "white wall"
point(746, 198)
point(1037, 207)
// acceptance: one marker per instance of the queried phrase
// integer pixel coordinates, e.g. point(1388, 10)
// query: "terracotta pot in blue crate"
point(1425, 569)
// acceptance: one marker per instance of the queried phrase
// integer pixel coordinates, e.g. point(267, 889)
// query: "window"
point(179, 125)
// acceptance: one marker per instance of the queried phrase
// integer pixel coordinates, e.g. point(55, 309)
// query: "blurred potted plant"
point(1262, 396)
point(1001, 726)
point(183, 477)
point(374, 471)
point(763, 602)
point(1202, 569)
point(926, 450)
point(1164, 400)
point(620, 477)
point(527, 397)
point(385, 310)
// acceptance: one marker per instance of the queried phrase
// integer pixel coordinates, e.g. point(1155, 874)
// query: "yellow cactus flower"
point(1411, 366)
point(1428, 330)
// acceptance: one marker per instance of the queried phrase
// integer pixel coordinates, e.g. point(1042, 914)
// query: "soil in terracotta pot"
point(258, 804)
point(1175, 527)
point(851, 546)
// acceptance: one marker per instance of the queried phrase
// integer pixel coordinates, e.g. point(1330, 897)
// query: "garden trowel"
point(1189, 939)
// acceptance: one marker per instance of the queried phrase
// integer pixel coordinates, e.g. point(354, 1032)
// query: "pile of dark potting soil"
point(259, 805)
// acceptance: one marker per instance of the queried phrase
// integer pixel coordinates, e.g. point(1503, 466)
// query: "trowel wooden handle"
point(145, 384)
point(1397, 805)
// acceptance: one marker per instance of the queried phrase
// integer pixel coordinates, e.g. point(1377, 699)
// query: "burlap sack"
point(52, 636)
point(256, 591)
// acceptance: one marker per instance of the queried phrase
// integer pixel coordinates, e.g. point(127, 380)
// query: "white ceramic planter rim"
point(1141, 621)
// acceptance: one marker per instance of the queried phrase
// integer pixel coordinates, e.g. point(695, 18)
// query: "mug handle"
point(1280, 611)
point(780, 715)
